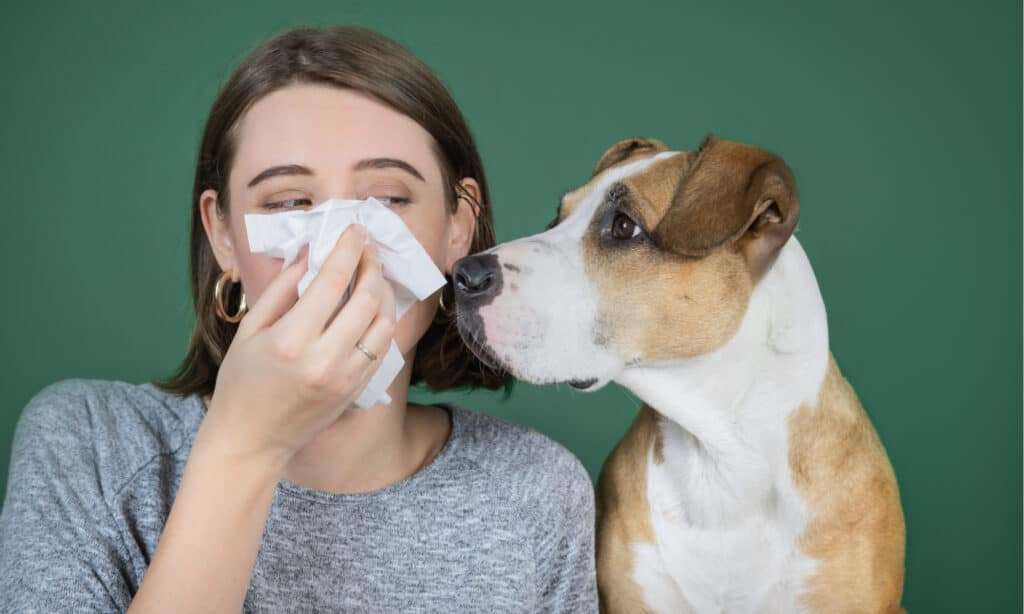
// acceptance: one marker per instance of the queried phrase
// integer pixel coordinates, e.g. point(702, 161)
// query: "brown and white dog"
point(751, 479)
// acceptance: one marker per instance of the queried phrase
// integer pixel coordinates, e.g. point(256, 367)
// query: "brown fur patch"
point(623, 514)
point(726, 194)
point(620, 153)
point(730, 193)
point(627, 150)
point(651, 191)
point(720, 195)
point(659, 306)
point(857, 529)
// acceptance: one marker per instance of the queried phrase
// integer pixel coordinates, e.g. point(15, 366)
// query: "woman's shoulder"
point(519, 457)
point(110, 406)
point(108, 427)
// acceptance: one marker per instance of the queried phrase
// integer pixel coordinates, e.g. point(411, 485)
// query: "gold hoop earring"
point(221, 311)
point(444, 308)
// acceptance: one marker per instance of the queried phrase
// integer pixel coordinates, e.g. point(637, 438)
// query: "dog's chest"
point(723, 542)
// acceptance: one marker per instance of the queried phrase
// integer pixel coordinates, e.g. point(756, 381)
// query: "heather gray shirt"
point(502, 520)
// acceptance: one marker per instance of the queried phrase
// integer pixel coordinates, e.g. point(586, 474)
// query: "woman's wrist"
point(221, 445)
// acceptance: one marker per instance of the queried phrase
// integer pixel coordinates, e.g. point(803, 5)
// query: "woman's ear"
point(218, 232)
point(462, 225)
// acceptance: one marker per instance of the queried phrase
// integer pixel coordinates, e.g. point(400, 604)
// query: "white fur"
point(724, 510)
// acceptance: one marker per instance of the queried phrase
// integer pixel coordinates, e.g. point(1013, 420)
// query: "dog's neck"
point(725, 413)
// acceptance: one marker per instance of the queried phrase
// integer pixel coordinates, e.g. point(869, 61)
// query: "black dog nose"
point(476, 276)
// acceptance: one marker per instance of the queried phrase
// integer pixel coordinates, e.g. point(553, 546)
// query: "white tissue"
point(406, 265)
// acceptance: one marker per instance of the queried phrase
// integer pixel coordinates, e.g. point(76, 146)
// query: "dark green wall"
point(902, 122)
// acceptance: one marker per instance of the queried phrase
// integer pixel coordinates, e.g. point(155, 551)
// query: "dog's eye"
point(623, 227)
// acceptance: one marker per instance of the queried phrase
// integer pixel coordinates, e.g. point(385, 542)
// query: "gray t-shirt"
point(502, 520)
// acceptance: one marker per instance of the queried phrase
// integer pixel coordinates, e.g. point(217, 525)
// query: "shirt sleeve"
point(565, 553)
point(60, 549)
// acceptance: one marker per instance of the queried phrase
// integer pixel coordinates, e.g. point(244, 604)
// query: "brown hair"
point(362, 60)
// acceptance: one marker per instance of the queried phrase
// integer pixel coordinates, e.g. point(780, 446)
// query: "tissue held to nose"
point(406, 265)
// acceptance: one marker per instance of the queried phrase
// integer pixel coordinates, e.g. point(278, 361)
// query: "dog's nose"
point(476, 276)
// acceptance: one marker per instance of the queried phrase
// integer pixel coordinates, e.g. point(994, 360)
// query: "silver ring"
point(362, 348)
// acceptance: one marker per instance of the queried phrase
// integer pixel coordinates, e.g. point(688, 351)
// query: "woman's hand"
point(290, 373)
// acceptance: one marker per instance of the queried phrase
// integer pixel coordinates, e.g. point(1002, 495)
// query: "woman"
point(248, 481)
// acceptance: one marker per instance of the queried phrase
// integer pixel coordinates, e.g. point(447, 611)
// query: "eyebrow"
point(388, 163)
point(274, 171)
point(370, 163)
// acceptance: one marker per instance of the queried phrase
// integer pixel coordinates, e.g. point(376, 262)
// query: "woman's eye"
point(623, 227)
point(288, 204)
point(392, 200)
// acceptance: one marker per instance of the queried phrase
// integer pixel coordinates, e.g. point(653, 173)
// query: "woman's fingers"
point(318, 303)
point(387, 304)
point(381, 331)
point(362, 307)
point(275, 300)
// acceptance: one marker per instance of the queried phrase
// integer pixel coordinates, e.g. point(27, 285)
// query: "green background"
point(902, 122)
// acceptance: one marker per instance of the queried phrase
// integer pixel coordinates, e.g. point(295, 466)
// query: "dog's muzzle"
point(477, 281)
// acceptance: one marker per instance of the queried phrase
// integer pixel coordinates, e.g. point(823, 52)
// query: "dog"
point(751, 480)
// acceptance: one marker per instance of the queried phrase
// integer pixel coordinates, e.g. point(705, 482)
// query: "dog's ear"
point(732, 193)
point(628, 149)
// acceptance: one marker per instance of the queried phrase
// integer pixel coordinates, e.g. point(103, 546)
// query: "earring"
point(444, 308)
point(221, 311)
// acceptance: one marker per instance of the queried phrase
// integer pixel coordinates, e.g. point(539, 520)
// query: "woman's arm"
point(213, 531)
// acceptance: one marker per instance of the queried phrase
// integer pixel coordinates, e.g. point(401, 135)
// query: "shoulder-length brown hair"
point(373, 64)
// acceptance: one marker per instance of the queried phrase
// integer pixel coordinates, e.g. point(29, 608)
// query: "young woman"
point(249, 481)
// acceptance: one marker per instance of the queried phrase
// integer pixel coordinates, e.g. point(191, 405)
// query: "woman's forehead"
point(326, 127)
